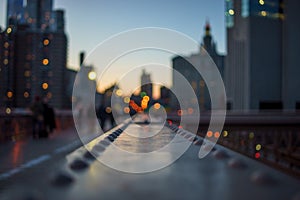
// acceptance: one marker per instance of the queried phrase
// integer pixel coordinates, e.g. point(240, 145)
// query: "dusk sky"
point(90, 22)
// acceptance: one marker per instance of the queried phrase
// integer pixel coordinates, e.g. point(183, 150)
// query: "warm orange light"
point(217, 134)
point(209, 134)
point(45, 86)
point(6, 45)
point(146, 98)
point(156, 106)
point(45, 61)
point(126, 110)
point(9, 94)
point(108, 109)
point(46, 42)
point(5, 61)
point(26, 94)
point(27, 73)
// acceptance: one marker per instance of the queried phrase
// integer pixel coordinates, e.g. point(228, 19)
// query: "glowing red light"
point(257, 155)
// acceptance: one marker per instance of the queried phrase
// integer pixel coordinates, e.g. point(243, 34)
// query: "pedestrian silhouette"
point(37, 117)
point(101, 115)
point(49, 117)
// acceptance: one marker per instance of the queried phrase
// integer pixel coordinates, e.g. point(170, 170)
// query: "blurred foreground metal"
point(223, 174)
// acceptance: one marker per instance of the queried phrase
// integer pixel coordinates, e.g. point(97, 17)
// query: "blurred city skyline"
point(88, 24)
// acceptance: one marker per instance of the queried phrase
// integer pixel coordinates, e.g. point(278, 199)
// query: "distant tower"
point(146, 83)
point(184, 66)
point(208, 43)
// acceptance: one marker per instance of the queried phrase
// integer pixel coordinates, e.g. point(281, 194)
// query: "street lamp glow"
point(126, 100)
point(156, 106)
point(9, 30)
point(45, 61)
point(119, 92)
point(8, 110)
point(92, 75)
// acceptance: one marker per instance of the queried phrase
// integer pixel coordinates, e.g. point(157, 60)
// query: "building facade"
point(33, 60)
point(146, 83)
point(260, 62)
point(186, 66)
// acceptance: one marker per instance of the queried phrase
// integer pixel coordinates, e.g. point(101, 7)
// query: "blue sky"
point(90, 22)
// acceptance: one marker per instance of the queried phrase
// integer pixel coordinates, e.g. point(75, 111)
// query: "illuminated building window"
point(9, 30)
point(263, 13)
point(8, 110)
point(45, 86)
point(46, 42)
point(261, 2)
point(6, 45)
point(45, 61)
point(156, 106)
point(5, 61)
point(26, 95)
point(27, 73)
point(229, 14)
point(126, 110)
point(9, 94)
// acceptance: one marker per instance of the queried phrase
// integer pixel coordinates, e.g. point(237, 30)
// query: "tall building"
point(146, 83)
point(261, 64)
point(33, 62)
point(186, 66)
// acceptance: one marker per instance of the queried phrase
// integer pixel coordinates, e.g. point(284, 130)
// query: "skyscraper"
point(146, 83)
point(187, 65)
point(33, 62)
point(259, 72)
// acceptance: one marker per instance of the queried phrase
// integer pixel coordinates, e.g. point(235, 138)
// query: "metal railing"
point(270, 137)
point(18, 125)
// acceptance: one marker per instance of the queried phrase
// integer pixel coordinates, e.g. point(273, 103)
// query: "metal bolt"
point(78, 165)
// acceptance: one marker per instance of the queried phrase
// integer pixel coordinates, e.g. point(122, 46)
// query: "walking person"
point(37, 117)
point(49, 117)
